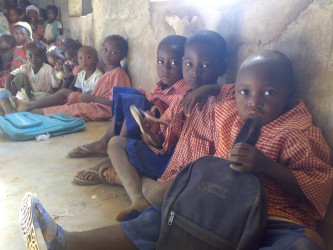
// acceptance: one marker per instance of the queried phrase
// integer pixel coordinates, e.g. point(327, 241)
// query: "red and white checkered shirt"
point(163, 97)
point(295, 143)
point(196, 139)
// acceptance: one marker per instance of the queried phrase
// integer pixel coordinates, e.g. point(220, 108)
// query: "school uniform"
point(93, 111)
point(143, 159)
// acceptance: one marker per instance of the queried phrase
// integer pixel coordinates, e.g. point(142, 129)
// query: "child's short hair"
point(120, 41)
point(65, 40)
point(52, 8)
point(53, 50)
point(72, 46)
point(283, 67)
point(91, 49)
point(37, 45)
point(10, 40)
point(210, 39)
point(17, 10)
point(178, 41)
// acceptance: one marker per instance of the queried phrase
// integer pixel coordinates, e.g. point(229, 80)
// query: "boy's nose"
point(167, 67)
point(196, 71)
point(256, 101)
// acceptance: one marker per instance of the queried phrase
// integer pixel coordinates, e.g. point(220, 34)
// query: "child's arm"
point(200, 96)
point(91, 98)
point(247, 158)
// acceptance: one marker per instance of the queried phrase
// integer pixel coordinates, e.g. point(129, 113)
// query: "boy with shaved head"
point(291, 158)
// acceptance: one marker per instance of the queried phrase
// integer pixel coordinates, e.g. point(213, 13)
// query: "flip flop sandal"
point(112, 178)
point(87, 153)
point(82, 182)
point(137, 114)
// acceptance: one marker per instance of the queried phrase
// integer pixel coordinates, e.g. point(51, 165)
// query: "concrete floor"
point(42, 168)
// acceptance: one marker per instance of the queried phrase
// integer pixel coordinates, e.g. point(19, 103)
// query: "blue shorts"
point(144, 231)
point(123, 98)
point(286, 235)
point(144, 160)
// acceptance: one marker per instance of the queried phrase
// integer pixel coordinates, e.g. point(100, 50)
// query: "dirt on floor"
point(43, 168)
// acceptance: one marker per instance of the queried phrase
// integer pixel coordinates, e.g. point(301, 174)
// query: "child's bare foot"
point(108, 174)
point(21, 106)
point(7, 106)
point(134, 210)
point(94, 149)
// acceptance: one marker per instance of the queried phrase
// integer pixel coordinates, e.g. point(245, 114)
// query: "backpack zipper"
point(171, 217)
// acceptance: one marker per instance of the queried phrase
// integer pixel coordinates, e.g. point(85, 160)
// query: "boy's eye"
point(174, 63)
point(269, 92)
point(204, 66)
point(105, 49)
point(159, 61)
point(113, 52)
point(188, 64)
point(243, 91)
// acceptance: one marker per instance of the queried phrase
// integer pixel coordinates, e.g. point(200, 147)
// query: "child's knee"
point(116, 142)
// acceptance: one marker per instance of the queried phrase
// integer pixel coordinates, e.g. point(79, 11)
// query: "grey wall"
point(302, 29)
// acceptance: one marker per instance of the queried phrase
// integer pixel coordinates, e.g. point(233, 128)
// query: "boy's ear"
point(223, 69)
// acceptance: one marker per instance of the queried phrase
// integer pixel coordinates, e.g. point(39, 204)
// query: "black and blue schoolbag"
point(210, 206)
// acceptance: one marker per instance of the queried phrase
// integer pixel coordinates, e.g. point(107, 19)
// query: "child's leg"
point(95, 148)
point(287, 235)
point(128, 176)
point(57, 98)
point(154, 191)
point(37, 227)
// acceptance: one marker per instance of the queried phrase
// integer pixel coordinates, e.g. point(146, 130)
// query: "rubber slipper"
point(131, 215)
point(82, 182)
point(137, 115)
point(87, 153)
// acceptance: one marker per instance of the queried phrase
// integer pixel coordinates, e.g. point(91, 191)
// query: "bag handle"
point(250, 131)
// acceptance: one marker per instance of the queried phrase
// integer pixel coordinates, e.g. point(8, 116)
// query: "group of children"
point(187, 116)
point(23, 29)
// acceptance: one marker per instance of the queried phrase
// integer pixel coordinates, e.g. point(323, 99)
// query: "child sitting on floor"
point(71, 66)
point(33, 80)
point(203, 63)
point(291, 158)
point(56, 58)
point(169, 55)
point(53, 27)
point(91, 107)
point(7, 45)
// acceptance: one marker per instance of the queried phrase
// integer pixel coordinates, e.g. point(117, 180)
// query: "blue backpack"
point(24, 126)
point(209, 206)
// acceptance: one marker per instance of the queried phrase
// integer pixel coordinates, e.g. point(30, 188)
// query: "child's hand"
point(247, 158)
point(86, 98)
point(199, 95)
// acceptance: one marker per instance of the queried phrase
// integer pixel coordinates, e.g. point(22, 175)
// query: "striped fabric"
point(295, 143)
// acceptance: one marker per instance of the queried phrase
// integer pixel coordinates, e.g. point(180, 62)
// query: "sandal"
point(139, 115)
point(112, 177)
point(95, 171)
point(84, 152)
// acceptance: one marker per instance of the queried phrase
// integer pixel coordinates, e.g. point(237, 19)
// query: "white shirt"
point(87, 85)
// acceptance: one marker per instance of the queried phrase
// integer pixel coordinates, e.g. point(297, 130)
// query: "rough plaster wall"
point(303, 29)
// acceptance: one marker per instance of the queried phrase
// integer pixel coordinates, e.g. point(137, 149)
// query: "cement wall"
point(303, 29)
